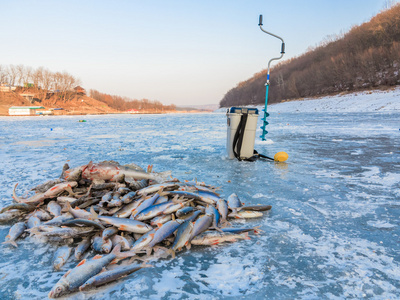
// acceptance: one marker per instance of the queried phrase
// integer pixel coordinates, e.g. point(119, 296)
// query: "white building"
point(23, 110)
point(7, 88)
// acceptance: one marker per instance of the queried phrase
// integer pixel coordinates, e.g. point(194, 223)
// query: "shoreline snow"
point(367, 101)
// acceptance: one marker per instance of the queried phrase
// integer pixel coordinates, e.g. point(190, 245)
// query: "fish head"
point(87, 285)
point(74, 174)
point(58, 290)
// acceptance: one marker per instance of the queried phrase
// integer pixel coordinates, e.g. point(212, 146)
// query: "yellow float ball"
point(281, 156)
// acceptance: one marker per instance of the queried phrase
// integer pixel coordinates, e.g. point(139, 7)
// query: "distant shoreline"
point(379, 100)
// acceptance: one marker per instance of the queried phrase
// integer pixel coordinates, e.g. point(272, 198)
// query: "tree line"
point(41, 79)
point(126, 103)
point(368, 56)
point(46, 84)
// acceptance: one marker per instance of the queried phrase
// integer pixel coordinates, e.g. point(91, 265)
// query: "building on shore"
point(23, 110)
point(7, 88)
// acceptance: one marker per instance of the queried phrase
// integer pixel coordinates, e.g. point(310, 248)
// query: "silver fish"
point(241, 230)
point(74, 278)
point(234, 202)
point(192, 217)
point(84, 222)
point(100, 245)
point(126, 224)
point(157, 187)
point(256, 207)
point(105, 199)
point(42, 215)
point(145, 204)
point(79, 213)
point(215, 238)
point(165, 231)
point(216, 215)
point(127, 210)
point(183, 235)
point(191, 195)
point(153, 211)
point(143, 241)
point(74, 174)
point(136, 185)
point(109, 276)
point(222, 207)
point(57, 221)
point(18, 206)
point(109, 232)
point(82, 247)
point(120, 240)
point(63, 232)
point(184, 211)
point(246, 214)
point(15, 232)
point(33, 221)
point(158, 221)
point(10, 215)
point(173, 208)
point(128, 198)
point(66, 199)
point(201, 225)
point(54, 208)
point(61, 256)
point(50, 193)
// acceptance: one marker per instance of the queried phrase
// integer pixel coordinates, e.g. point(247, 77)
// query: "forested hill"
point(368, 56)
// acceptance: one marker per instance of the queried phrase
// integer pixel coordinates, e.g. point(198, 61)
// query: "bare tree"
point(37, 76)
point(12, 74)
point(389, 4)
point(3, 74)
point(20, 70)
point(27, 75)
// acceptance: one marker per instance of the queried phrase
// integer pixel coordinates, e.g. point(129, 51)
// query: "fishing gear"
point(242, 125)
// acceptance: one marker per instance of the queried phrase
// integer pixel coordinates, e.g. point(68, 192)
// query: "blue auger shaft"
point(266, 114)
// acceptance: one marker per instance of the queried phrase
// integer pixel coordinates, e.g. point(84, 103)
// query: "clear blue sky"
point(181, 52)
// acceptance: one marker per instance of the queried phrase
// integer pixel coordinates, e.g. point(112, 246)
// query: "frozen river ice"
point(333, 231)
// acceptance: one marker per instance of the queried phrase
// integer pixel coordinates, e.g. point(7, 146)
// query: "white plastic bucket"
point(234, 115)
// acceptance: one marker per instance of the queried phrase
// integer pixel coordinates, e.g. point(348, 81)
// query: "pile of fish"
point(122, 211)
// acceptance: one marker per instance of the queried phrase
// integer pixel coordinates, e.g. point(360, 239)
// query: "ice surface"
point(332, 233)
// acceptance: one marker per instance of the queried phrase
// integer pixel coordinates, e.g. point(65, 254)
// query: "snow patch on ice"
point(381, 224)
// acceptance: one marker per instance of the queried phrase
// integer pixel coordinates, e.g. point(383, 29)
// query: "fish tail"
point(15, 197)
point(67, 206)
point(225, 223)
point(257, 230)
point(188, 245)
point(95, 216)
point(148, 251)
point(172, 253)
point(11, 242)
point(246, 236)
point(122, 255)
point(162, 176)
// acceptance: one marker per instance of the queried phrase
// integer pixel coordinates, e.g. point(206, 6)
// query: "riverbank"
point(366, 101)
